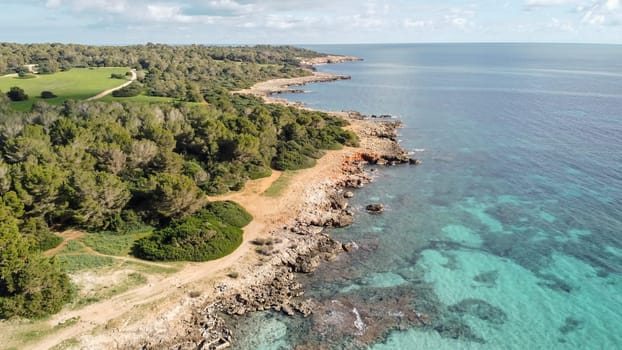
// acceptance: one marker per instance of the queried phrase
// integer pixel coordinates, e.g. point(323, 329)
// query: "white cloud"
point(460, 18)
point(590, 12)
point(563, 25)
point(53, 3)
point(613, 4)
point(547, 3)
point(232, 5)
point(414, 23)
point(603, 13)
point(248, 21)
point(114, 6)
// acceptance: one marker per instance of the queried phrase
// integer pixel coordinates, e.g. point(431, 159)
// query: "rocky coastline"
point(297, 247)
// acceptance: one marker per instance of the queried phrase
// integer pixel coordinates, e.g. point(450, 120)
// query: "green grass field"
point(77, 84)
point(280, 184)
point(138, 99)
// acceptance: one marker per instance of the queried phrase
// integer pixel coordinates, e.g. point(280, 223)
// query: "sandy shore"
point(181, 310)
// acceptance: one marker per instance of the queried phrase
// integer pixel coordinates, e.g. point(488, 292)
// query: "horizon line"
point(317, 44)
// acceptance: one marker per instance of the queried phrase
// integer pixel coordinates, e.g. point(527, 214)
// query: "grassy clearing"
point(133, 279)
point(138, 99)
point(154, 269)
point(104, 292)
point(114, 244)
point(280, 184)
point(73, 247)
point(77, 84)
point(22, 332)
point(78, 262)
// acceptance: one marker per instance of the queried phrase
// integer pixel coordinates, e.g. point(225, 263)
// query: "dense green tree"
point(175, 195)
point(17, 94)
point(95, 198)
point(30, 284)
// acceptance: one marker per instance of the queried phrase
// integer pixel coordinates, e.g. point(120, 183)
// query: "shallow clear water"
point(509, 236)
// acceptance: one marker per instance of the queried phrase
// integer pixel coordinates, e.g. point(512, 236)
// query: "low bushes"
point(134, 89)
point(230, 213)
point(47, 94)
point(211, 233)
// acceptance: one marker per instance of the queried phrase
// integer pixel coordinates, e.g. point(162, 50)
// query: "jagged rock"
point(348, 194)
point(375, 208)
point(306, 264)
point(342, 220)
point(306, 307)
point(414, 161)
point(315, 229)
point(339, 202)
point(350, 246)
point(287, 309)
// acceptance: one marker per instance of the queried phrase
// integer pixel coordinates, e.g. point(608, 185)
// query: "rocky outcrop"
point(328, 59)
point(364, 319)
point(282, 292)
point(375, 208)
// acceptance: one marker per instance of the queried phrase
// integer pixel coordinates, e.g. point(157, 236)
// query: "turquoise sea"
point(508, 236)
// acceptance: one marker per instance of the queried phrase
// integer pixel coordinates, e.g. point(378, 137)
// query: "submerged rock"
point(349, 246)
point(375, 208)
point(480, 309)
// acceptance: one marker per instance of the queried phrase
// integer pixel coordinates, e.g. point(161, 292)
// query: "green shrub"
point(47, 94)
point(229, 213)
point(49, 241)
point(257, 172)
point(134, 89)
point(292, 156)
point(200, 237)
point(17, 94)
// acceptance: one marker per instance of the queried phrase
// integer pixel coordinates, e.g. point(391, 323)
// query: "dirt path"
point(109, 91)
point(67, 236)
point(71, 235)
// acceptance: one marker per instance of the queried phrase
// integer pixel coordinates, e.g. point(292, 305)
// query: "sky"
point(309, 21)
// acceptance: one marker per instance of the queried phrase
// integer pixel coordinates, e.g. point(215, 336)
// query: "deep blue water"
point(510, 233)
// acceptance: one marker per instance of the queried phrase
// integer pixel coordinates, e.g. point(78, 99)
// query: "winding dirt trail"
point(69, 235)
point(109, 91)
